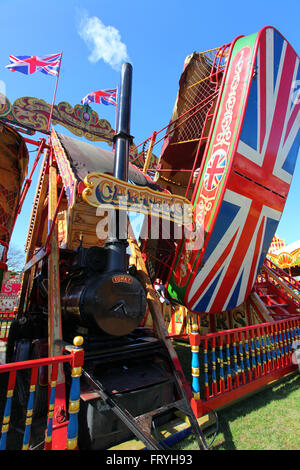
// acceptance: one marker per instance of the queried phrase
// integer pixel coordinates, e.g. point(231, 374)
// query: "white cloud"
point(104, 41)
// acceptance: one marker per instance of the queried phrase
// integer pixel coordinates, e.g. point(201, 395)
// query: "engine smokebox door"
point(116, 303)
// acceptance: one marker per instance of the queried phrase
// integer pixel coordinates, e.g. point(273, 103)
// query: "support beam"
point(54, 308)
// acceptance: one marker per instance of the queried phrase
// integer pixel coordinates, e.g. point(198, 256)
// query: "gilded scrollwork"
point(34, 113)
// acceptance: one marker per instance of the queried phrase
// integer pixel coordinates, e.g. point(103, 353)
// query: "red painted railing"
point(270, 279)
point(289, 280)
point(61, 429)
point(277, 277)
point(232, 363)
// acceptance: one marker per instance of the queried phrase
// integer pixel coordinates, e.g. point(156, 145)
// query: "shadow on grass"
point(279, 390)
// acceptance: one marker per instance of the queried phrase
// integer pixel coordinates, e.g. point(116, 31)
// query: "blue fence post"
point(52, 386)
point(195, 364)
point(74, 401)
point(29, 411)
point(7, 409)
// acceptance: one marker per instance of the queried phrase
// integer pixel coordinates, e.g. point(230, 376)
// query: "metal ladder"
point(141, 425)
point(183, 404)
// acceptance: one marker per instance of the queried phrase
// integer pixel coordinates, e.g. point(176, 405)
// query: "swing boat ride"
point(218, 189)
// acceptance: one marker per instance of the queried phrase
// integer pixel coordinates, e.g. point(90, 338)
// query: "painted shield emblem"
point(215, 169)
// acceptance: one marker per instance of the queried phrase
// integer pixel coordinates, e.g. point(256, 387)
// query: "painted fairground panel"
point(9, 301)
point(33, 114)
point(284, 256)
point(78, 221)
point(179, 320)
point(9, 295)
point(246, 177)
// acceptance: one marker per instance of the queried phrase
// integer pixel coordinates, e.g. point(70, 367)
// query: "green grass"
point(267, 420)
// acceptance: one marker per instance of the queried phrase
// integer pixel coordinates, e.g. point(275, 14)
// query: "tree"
point(15, 258)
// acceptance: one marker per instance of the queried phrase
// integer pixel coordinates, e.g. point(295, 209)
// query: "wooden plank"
point(35, 259)
point(261, 307)
point(54, 308)
point(82, 223)
point(156, 309)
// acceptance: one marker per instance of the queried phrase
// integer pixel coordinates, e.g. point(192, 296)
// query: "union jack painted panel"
point(241, 218)
point(215, 170)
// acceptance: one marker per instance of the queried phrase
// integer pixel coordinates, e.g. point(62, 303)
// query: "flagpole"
point(117, 104)
point(54, 96)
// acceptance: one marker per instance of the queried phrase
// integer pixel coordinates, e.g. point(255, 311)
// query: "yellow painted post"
point(54, 308)
point(149, 153)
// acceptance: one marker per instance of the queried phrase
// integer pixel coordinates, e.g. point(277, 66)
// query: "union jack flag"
point(257, 189)
point(215, 169)
point(26, 64)
point(106, 97)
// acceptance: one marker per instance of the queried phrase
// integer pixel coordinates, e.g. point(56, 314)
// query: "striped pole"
point(205, 359)
point(221, 359)
point(52, 386)
point(264, 357)
point(241, 353)
point(253, 361)
point(247, 357)
point(268, 348)
point(278, 328)
point(285, 345)
point(236, 373)
point(273, 348)
point(7, 409)
point(289, 338)
point(214, 367)
point(195, 365)
point(29, 412)
point(277, 345)
point(258, 355)
point(74, 401)
point(229, 376)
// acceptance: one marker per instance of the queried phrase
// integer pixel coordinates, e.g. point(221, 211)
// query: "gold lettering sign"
point(121, 278)
point(105, 191)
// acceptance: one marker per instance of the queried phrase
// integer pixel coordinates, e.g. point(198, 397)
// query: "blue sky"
point(154, 36)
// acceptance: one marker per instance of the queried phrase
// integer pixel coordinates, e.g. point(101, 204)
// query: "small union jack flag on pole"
point(26, 64)
point(107, 97)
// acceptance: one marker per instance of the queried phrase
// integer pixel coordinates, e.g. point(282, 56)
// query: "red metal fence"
point(57, 434)
point(234, 363)
point(290, 281)
point(275, 276)
point(225, 366)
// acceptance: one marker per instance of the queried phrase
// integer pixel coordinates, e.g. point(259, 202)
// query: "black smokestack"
point(116, 245)
point(123, 138)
